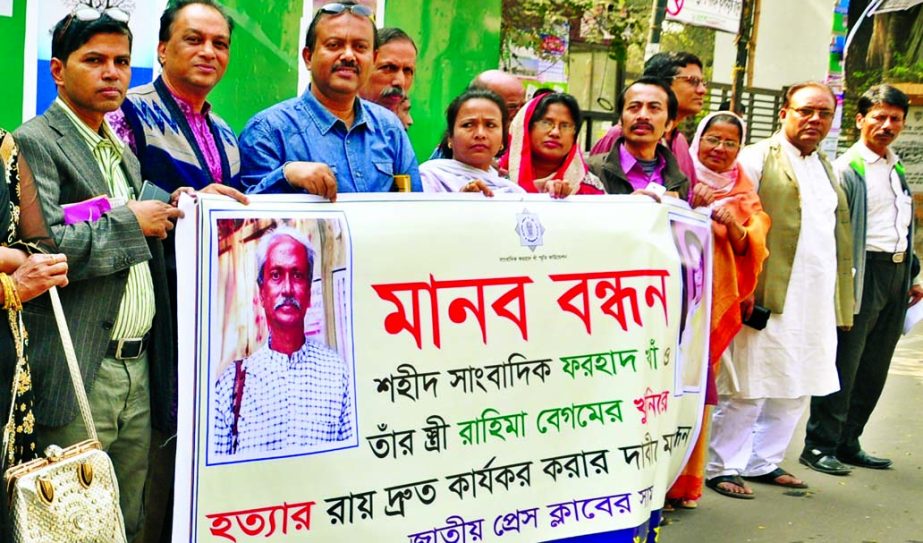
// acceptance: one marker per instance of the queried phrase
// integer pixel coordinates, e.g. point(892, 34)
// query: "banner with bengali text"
point(513, 369)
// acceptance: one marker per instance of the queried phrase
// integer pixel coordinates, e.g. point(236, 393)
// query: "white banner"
point(461, 369)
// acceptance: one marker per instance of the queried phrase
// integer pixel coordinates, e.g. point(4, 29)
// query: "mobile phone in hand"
point(150, 191)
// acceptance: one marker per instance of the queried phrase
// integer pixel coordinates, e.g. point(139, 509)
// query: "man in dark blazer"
point(116, 305)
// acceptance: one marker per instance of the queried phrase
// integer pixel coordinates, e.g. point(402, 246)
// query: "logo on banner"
point(530, 229)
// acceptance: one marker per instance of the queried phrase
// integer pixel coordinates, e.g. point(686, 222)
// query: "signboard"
point(721, 15)
point(511, 369)
point(909, 146)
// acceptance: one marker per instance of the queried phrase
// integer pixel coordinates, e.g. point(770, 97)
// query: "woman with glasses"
point(544, 155)
point(739, 226)
point(475, 131)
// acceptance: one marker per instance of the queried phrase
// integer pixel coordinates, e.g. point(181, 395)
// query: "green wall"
point(265, 55)
point(457, 39)
point(13, 30)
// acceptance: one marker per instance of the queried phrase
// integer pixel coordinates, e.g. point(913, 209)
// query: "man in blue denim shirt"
point(328, 140)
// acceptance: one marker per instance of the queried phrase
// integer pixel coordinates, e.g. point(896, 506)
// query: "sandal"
point(772, 478)
point(734, 480)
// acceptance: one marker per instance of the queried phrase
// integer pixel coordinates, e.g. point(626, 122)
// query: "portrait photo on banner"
point(693, 242)
point(281, 368)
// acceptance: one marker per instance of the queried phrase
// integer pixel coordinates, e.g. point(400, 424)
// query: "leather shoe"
point(824, 463)
point(865, 460)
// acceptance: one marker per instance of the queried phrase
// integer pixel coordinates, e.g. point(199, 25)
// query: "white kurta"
point(795, 355)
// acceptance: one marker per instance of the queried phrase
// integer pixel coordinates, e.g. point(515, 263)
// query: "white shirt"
point(795, 355)
point(295, 401)
point(888, 208)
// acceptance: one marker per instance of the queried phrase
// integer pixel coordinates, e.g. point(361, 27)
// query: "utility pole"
point(743, 49)
point(658, 14)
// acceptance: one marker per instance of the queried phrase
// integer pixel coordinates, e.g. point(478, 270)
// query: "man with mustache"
point(329, 140)
point(683, 73)
point(183, 146)
point(292, 392)
point(638, 159)
point(395, 65)
point(882, 218)
point(117, 303)
point(806, 284)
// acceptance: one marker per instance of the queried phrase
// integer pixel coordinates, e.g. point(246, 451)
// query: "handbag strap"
point(79, 391)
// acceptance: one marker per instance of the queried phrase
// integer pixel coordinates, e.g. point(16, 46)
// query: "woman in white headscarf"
point(739, 227)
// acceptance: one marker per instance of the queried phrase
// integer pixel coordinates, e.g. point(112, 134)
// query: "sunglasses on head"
point(335, 8)
point(89, 13)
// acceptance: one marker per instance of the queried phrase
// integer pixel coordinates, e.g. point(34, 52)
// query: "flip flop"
point(734, 479)
point(772, 478)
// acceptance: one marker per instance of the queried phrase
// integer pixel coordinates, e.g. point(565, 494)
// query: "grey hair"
point(266, 240)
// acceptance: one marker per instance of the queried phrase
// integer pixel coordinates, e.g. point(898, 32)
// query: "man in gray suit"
point(116, 305)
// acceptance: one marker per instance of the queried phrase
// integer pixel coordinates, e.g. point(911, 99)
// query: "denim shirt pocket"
point(385, 175)
point(385, 168)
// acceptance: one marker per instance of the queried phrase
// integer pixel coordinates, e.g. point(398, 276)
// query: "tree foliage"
point(616, 24)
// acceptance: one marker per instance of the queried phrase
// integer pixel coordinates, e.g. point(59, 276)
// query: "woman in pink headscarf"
point(543, 152)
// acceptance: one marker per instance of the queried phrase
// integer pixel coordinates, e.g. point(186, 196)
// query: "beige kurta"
point(795, 355)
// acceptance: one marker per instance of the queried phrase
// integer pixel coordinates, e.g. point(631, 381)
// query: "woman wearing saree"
point(22, 277)
point(543, 152)
point(739, 228)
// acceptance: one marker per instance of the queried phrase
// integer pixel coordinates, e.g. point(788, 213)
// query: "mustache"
point(345, 64)
point(642, 124)
point(393, 91)
point(287, 301)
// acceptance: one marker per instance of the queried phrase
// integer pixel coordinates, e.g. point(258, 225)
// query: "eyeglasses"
point(89, 13)
point(809, 112)
point(693, 80)
point(335, 8)
point(547, 126)
point(715, 141)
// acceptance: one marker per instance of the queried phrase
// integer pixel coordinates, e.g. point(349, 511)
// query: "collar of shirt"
point(794, 151)
point(187, 108)
point(629, 162)
point(325, 120)
point(872, 157)
point(108, 139)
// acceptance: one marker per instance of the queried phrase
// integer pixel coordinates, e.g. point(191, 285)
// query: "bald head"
point(507, 86)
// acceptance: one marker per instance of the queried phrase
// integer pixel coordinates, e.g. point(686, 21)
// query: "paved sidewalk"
point(868, 506)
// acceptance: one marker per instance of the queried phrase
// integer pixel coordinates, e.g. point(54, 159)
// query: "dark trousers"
point(863, 356)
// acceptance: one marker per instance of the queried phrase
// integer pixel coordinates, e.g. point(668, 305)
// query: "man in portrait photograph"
point(292, 392)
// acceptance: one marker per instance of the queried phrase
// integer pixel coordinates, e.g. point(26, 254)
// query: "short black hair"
point(70, 33)
point(672, 103)
point(666, 65)
point(451, 114)
point(728, 118)
point(390, 34)
point(557, 98)
point(310, 37)
point(798, 86)
point(175, 6)
point(883, 94)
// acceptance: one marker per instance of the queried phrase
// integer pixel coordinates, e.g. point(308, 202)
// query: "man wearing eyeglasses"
point(882, 218)
point(683, 72)
point(116, 304)
point(328, 140)
point(806, 283)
